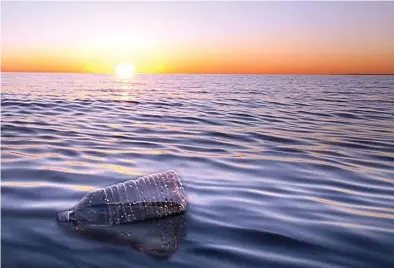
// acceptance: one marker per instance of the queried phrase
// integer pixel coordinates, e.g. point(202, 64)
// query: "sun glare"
point(125, 71)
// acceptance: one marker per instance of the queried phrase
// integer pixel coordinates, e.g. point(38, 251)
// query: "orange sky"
point(206, 37)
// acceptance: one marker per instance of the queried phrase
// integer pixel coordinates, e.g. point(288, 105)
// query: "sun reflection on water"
point(41, 184)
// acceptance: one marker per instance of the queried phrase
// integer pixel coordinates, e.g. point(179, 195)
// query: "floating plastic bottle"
point(148, 197)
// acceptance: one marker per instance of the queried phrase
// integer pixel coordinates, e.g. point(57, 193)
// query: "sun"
point(125, 71)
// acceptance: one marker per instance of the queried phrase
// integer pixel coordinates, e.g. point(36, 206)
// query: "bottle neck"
point(65, 216)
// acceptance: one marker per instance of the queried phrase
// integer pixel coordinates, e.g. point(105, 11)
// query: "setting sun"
point(125, 70)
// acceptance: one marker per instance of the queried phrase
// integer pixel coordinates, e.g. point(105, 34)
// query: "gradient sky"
point(199, 37)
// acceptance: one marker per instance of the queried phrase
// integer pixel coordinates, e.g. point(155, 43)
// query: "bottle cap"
point(63, 216)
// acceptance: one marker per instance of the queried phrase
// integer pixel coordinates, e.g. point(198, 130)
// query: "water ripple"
point(280, 171)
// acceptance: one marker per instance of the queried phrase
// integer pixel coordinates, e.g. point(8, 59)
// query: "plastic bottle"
point(152, 196)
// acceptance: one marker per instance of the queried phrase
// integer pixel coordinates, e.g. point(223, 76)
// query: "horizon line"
point(187, 73)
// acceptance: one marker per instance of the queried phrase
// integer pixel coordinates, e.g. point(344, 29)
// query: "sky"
point(198, 37)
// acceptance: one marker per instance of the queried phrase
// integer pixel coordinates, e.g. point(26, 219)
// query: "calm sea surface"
point(280, 171)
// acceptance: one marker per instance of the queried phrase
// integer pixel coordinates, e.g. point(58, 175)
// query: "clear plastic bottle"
point(148, 197)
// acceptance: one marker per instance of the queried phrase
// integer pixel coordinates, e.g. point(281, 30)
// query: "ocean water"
point(280, 171)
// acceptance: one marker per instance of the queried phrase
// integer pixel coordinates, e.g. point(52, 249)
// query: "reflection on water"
point(41, 184)
point(280, 171)
point(158, 238)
